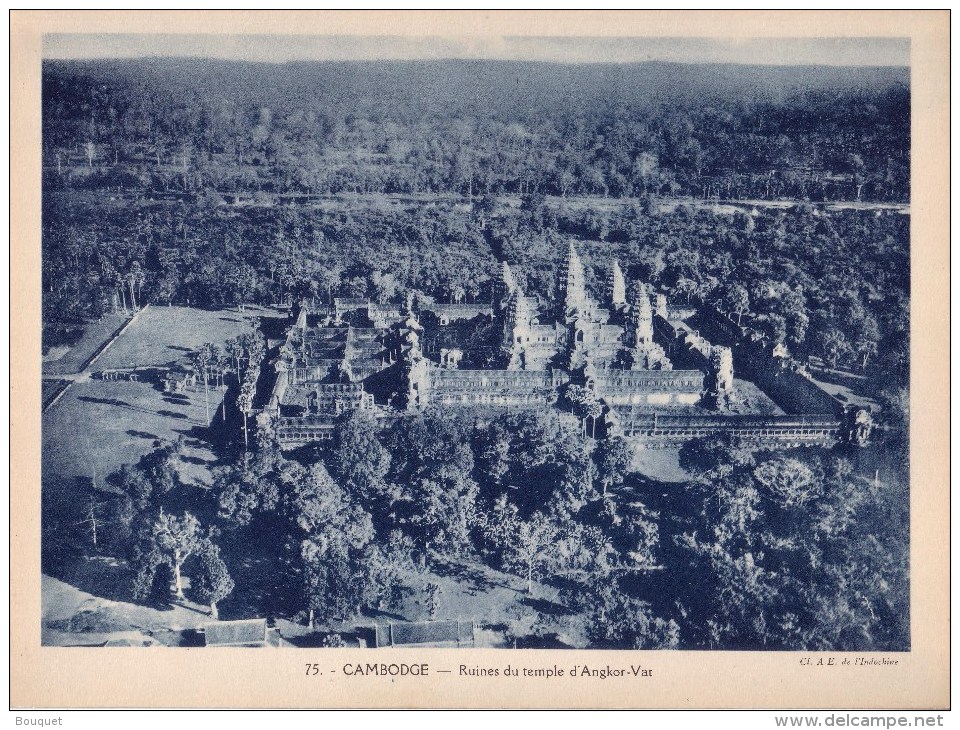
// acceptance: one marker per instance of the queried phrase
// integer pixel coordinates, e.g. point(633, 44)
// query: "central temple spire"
point(571, 284)
point(640, 319)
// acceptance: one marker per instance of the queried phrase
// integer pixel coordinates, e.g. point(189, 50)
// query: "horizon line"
point(265, 62)
point(282, 49)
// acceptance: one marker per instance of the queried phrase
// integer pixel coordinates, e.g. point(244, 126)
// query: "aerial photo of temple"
point(649, 367)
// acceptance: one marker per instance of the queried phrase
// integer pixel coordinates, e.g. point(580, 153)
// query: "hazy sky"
point(272, 48)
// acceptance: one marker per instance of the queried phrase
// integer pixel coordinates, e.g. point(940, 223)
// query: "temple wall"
point(653, 387)
point(662, 431)
point(298, 431)
point(681, 343)
point(493, 387)
point(363, 370)
point(491, 397)
point(279, 390)
point(634, 397)
point(545, 333)
point(505, 379)
point(679, 311)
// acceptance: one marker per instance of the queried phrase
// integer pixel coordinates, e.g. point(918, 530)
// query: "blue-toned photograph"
point(519, 343)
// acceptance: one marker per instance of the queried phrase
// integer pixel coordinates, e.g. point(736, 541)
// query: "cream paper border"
point(129, 677)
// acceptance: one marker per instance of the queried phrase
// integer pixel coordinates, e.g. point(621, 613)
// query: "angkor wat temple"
point(651, 375)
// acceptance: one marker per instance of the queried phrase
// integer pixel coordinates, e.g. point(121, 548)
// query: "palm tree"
point(245, 404)
point(201, 363)
point(121, 286)
point(134, 279)
point(594, 410)
point(235, 350)
point(256, 349)
point(220, 363)
point(580, 399)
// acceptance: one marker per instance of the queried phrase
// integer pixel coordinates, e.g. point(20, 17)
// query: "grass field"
point(97, 426)
point(163, 335)
point(50, 388)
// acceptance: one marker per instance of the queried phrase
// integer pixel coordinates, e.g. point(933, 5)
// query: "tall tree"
point(867, 339)
point(330, 554)
point(201, 367)
point(530, 548)
point(789, 481)
point(177, 538)
point(212, 582)
point(614, 456)
point(360, 461)
point(392, 569)
point(245, 404)
point(235, 349)
point(251, 486)
point(834, 346)
point(584, 405)
point(616, 619)
point(736, 299)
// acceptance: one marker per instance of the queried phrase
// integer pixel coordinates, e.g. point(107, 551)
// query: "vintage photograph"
point(520, 343)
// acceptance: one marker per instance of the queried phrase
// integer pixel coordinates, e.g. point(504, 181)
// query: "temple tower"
point(571, 285)
point(517, 319)
point(516, 329)
point(411, 335)
point(618, 286)
point(662, 305)
point(719, 386)
point(640, 319)
point(721, 359)
point(641, 352)
point(414, 367)
point(504, 287)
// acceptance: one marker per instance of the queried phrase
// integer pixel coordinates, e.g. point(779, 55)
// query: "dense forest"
point(475, 127)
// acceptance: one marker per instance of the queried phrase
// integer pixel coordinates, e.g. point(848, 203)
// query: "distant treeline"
point(478, 127)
